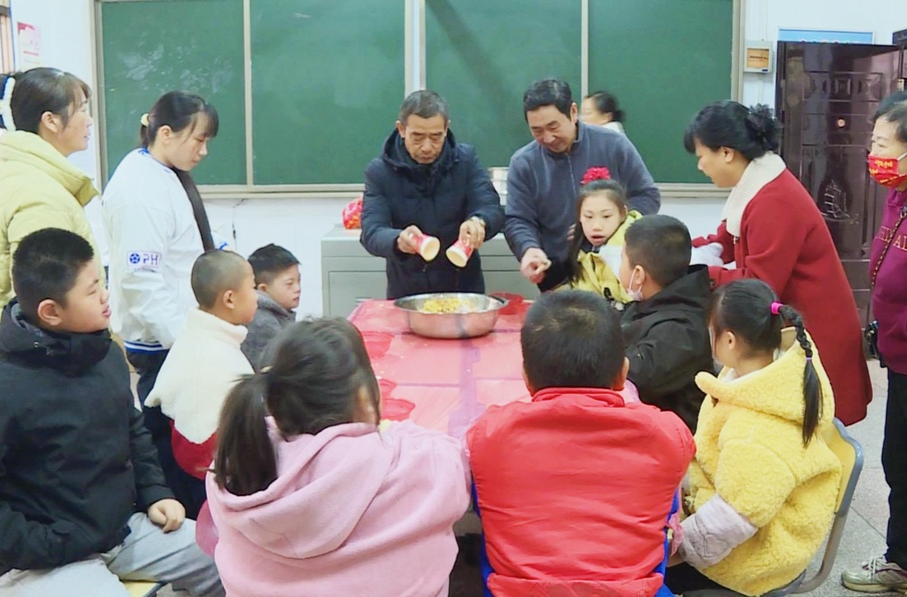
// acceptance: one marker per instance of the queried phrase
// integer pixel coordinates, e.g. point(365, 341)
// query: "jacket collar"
point(578, 142)
point(758, 173)
point(605, 396)
point(200, 321)
point(396, 155)
point(29, 148)
point(72, 354)
point(267, 302)
point(776, 389)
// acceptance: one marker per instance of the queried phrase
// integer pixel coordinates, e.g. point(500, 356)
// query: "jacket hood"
point(774, 390)
point(396, 155)
point(325, 484)
point(693, 291)
point(73, 354)
point(28, 148)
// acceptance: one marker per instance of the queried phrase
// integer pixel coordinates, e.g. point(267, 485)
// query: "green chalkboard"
point(153, 47)
point(664, 60)
point(481, 55)
point(328, 77)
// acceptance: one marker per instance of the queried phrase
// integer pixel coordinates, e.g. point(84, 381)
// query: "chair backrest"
point(850, 453)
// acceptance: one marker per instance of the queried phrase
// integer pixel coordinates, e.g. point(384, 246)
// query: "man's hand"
point(168, 514)
point(405, 241)
point(570, 232)
point(472, 233)
point(534, 264)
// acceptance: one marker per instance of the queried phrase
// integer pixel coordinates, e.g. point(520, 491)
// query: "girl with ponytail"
point(763, 485)
point(309, 498)
point(156, 228)
point(772, 230)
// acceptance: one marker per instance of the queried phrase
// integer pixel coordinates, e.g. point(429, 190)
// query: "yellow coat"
point(39, 188)
point(749, 449)
point(597, 276)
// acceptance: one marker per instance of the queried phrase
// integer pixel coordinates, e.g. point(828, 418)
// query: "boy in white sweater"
point(206, 361)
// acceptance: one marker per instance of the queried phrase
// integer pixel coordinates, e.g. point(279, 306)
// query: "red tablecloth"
point(441, 384)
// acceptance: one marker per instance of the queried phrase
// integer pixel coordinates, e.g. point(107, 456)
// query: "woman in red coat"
point(773, 231)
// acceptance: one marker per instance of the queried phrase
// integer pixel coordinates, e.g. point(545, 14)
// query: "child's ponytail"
point(812, 389)
point(245, 462)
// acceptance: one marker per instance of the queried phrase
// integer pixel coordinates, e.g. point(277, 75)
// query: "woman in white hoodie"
point(314, 500)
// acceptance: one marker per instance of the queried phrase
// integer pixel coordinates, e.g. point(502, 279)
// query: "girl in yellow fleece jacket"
point(602, 219)
point(763, 485)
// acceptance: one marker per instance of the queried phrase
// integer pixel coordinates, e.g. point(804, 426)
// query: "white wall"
point(66, 38)
point(763, 19)
point(67, 44)
point(298, 224)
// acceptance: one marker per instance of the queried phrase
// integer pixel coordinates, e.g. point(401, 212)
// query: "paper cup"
point(459, 254)
point(427, 246)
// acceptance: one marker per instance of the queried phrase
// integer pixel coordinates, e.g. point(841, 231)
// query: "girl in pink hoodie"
point(313, 500)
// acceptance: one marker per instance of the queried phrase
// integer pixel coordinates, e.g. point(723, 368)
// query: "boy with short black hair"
point(83, 500)
point(586, 514)
point(665, 328)
point(277, 280)
point(205, 363)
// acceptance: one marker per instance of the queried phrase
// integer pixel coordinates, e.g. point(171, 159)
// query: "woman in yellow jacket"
point(45, 114)
point(602, 219)
point(763, 485)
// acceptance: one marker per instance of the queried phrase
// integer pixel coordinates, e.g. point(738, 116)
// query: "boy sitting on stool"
point(586, 513)
point(82, 496)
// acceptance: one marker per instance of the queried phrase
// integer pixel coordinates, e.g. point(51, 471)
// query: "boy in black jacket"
point(665, 328)
point(82, 497)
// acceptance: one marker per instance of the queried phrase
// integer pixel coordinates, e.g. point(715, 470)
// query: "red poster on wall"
point(29, 37)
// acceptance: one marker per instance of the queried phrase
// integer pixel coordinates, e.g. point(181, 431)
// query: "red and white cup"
point(427, 246)
point(459, 253)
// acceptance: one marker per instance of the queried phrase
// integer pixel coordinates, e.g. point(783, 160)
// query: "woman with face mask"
point(887, 267)
point(44, 113)
point(773, 231)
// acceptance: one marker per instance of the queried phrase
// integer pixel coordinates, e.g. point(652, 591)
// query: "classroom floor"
point(864, 535)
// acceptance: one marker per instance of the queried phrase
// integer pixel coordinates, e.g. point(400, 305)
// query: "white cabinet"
point(349, 274)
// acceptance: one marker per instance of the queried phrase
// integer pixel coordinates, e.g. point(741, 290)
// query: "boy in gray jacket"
point(278, 282)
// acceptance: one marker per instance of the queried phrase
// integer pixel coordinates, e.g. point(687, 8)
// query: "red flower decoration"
point(591, 174)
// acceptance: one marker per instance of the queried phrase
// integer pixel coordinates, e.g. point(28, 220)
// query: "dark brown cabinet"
point(825, 98)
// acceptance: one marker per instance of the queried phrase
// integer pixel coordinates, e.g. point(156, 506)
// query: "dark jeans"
point(894, 463)
point(189, 491)
point(683, 577)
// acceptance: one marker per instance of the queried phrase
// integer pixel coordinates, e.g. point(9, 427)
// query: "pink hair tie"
point(776, 307)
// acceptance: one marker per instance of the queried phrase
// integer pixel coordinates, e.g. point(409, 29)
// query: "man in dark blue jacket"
point(426, 182)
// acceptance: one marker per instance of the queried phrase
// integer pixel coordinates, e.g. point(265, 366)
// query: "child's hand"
point(167, 513)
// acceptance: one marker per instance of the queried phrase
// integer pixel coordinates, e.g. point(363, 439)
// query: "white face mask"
point(635, 295)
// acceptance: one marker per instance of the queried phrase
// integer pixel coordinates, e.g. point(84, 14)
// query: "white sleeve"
point(142, 232)
point(712, 533)
point(709, 254)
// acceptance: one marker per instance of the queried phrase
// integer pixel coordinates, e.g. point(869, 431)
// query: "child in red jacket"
point(575, 488)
